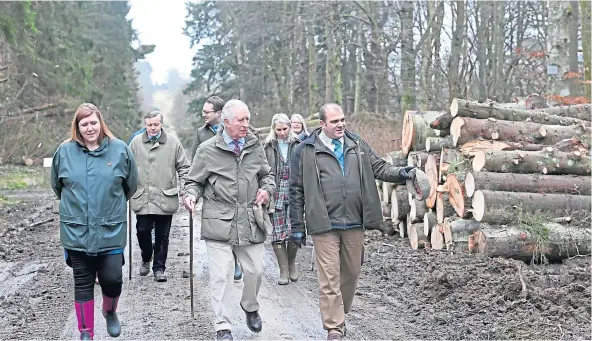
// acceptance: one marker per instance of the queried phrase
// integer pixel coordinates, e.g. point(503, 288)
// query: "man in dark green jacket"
point(211, 111)
point(332, 178)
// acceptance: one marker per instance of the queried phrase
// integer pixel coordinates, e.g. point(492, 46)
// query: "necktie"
point(339, 153)
point(237, 149)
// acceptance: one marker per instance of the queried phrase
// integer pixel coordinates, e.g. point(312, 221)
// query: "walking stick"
point(129, 228)
point(191, 259)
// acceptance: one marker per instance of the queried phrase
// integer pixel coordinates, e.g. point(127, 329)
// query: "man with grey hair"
point(160, 158)
point(212, 115)
point(231, 173)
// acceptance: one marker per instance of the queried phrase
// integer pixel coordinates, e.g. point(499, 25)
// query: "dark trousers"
point(85, 270)
point(162, 228)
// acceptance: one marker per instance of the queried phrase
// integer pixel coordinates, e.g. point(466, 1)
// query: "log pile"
point(506, 181)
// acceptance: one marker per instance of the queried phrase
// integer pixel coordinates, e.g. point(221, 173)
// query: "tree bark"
point(397, 158)
point(518, 243)
point(530, 183)
point(429, 221)
point(458, 49)
point(400, 204)
point(443, 207)
point(419, 158)
point(463, 225)
point(431, 170)
point(403, 229)
point(415, 131)
point(417, 210)
point(546, 161)
point(474, 109)
point(437, 143)
point(408, 100)
point(417, 238)
point(568, 145)
point(579, 111)
point(442, 122)
point(387, 189)
point(386, 209)
point(465, 129)
point(586, 37)
point(313, 87)
point(508, 207)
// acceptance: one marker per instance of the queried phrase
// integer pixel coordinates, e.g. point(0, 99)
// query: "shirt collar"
point(229, 140)
point(214, 128)
point(327, 140)
point(155, 138)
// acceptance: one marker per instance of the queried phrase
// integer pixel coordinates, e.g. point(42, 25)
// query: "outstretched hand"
point(407, 172)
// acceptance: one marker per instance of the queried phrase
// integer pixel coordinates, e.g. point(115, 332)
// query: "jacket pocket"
point(210, 188)
point(138, 200)
point(112, 232)
point(216, 221)
point(257, 234)
point(73, 231)
point(169, 202)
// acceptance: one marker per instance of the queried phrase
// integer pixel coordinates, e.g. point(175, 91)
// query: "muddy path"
point(402, 294)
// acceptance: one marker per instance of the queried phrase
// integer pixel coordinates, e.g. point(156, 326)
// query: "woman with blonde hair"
point(299, 126)
point(279, 146)
point(94, 174)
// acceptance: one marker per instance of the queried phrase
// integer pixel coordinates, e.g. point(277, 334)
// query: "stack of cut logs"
point(505, 182)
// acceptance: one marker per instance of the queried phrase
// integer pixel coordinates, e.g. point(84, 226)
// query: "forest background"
point(376, 58)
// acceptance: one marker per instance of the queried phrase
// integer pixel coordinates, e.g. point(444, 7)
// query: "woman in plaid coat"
point(279, 146)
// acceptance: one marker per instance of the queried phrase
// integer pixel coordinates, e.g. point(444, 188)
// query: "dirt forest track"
point(402, 293)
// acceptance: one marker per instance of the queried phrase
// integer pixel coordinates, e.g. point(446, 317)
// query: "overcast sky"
point(161, 22)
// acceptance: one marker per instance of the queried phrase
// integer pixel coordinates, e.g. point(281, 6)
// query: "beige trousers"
point(221, 264)
point(339, 262)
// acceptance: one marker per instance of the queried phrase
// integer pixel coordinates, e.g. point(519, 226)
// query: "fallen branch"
point(41, 222)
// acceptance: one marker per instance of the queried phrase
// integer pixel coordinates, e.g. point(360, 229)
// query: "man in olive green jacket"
point(231, 173)
point(160, 158)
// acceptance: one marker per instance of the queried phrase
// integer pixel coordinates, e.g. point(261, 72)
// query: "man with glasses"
point(212, 113)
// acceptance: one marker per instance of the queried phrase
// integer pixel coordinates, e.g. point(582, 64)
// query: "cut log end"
point(447, 235)
point(479, 161)
point(429, 221)
point(456, 128)
point(454, 107)
point(469, 185)
point(436, 238)
point(456, 195)
point(478, 205)
point(403, 229)
point(431, 170)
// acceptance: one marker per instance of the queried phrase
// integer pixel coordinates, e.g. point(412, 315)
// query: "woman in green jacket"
point(93, 175)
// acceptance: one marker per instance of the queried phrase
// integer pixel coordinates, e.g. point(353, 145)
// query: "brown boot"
point(281, 253)
point(293, 268)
